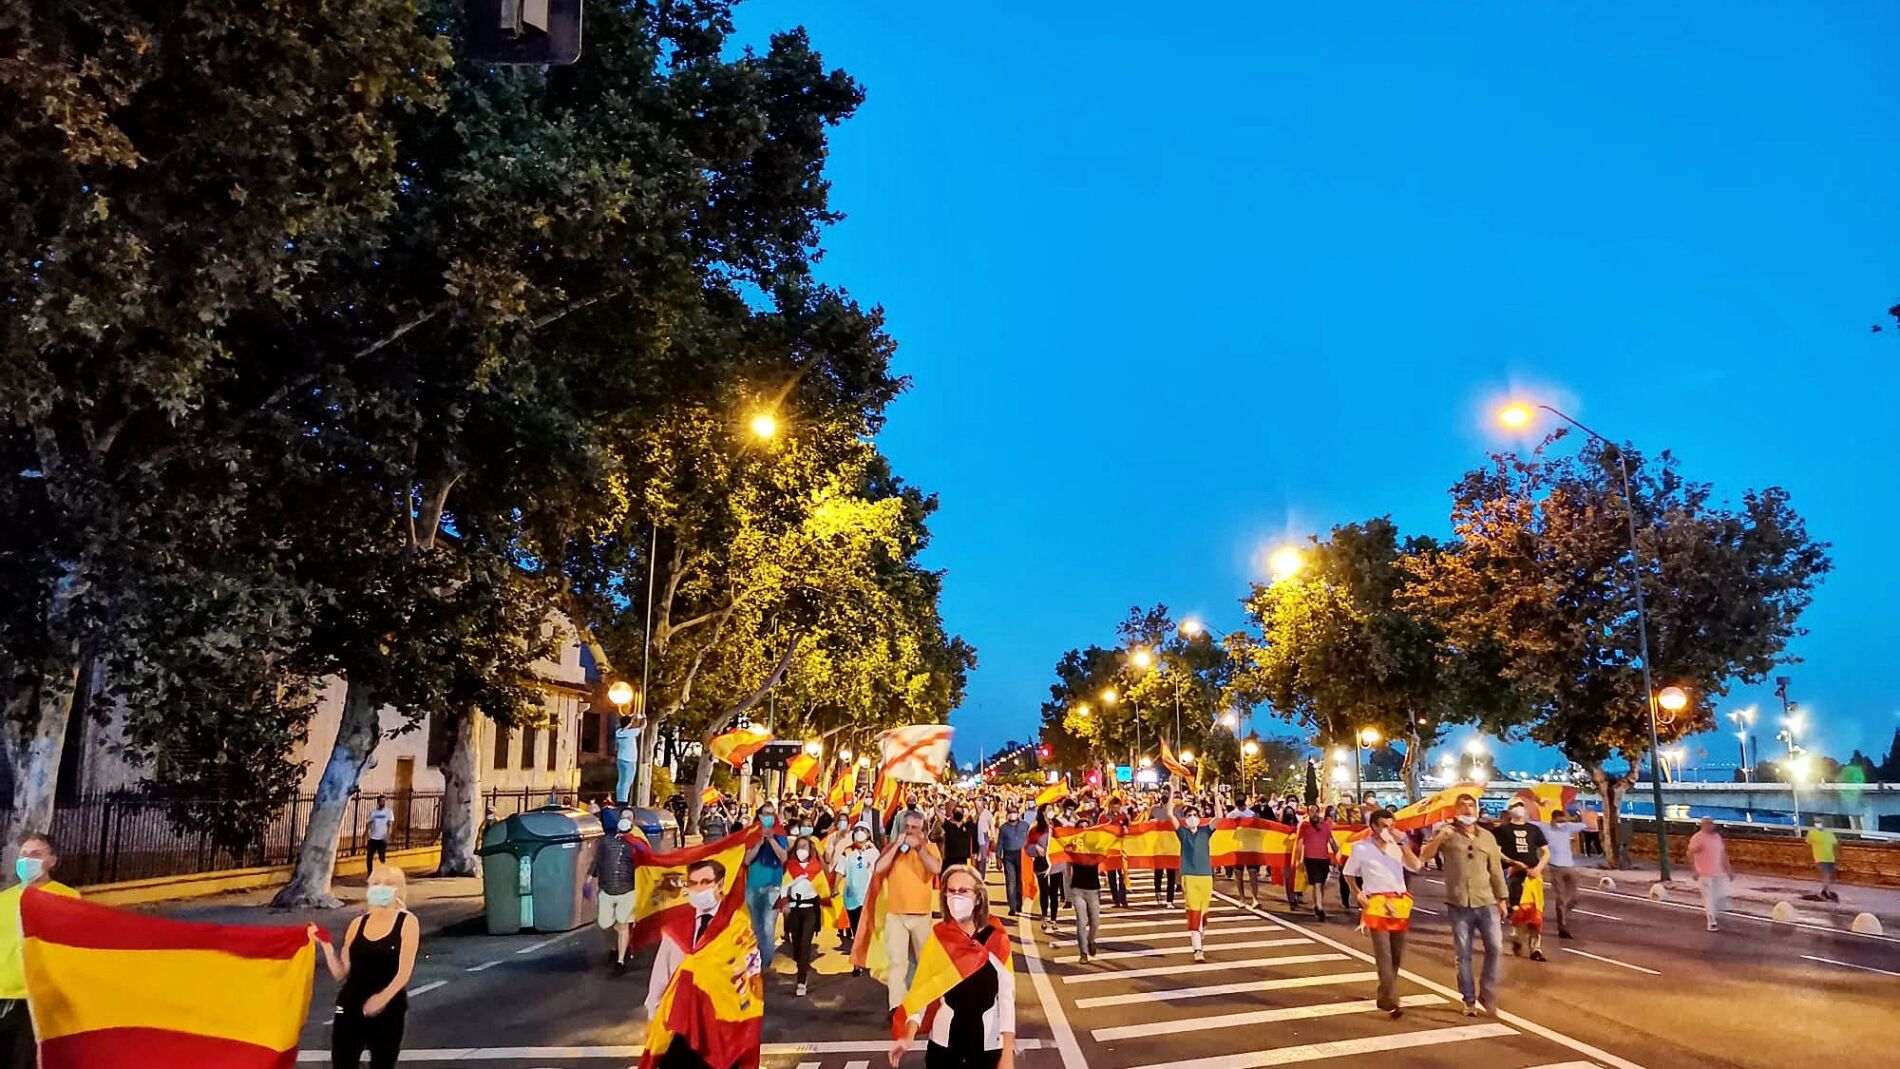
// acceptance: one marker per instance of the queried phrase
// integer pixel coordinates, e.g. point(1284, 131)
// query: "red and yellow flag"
point(709, 796)
point(1543, 799)
point(1053, 793)
point(1026, 866)
point(1386, 911)
point(716, 1001)
point(1176, 765)
point(109, 988)
point(1098, 845)
point(734, 746)
point(1437, 808)
point(1151, 844)
point(659, 880)
point(949, 958)
point(1249, 841)
point(841, 785)
point(804, 769)
point(1529, 911)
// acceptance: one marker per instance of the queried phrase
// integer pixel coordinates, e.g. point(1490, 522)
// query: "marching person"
point(1082, 885)
point(1246, 875)
point(765, 868)
point(1476, 900)
point(376, 831)
point(853, 867)
point(1709, 853)
point(716, 938)
point(967, 1007)
point(1313, 849)
point(1047, 888)
point(1525, 854)
point(1376, 869)
point(909, 865)
point(1559, 832)
point(373, 969)
point(806, 892)
point(1011, 839)
point(1166, 880)
point(611, 879)
point(1197, 868)
point(34, 867)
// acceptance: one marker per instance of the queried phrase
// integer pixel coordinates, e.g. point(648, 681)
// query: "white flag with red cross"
point(918, 753)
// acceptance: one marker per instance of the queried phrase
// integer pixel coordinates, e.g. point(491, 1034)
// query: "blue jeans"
point(758, 901)
point(623, 786)
point(1013, 883)
point(1484, 922)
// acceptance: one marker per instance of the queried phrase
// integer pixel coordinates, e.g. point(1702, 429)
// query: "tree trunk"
point(356, 736)
point(1408, 768)
point(1610, 790)
point(36, 713)
point(643, 772)
point(462, 799)
point(702, 779)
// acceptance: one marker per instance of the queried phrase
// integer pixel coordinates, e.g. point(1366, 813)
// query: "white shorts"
point(615, 909)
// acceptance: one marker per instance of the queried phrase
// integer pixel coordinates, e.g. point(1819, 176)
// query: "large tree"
point(1541, 571)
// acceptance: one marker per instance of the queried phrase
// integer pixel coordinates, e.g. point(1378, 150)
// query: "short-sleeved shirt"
point(908, 883)
point(1709, 853)
point(1316, 839)
point(626, 744)
point(959, 842)
point(1196, 850)
point(12, 950)
point(1592, 820)
point(1560, 838)
point(1823, 843)
point(767, 868)
point(380, 819)
point(1520, 842)
point(1377, 871)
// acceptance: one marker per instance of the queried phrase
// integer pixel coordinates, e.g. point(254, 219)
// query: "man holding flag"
point(1376, 870)
point(707, 995)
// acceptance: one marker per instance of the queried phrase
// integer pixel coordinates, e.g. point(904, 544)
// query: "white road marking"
point(1416, 908)
point(1070, 1050)
point(458, 1055)
point(1566, 1065)
point(1164, 952)
point(1851, 965)
point(1532, 1027)
point(426, 988)
point(1225, 918)
point(1177, 970)
point(1234, 1020)
point(1610, 961)
point(1144, 913)
point(859, 1064)
point(1237, 989)
point(1757, 918)
point(810, 1065)
point(1168, 936)
point(532, 947)
point(1591, 913)
point(483, 965)
point(1308, 1052)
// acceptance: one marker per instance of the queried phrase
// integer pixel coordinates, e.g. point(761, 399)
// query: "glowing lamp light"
point(1147, 762)
point(845, 755)
point(1229, 720)
point(814, 748)
point(864, 762)
point(1109, 696)
point(1142, 658)
point(1286, 562)
point(764, 425)
point(1674, 699)
point(1250, 748)
point(1475, 747)
point(1368, 736)
point(1191, 627)
point(621, 693)
point(1515, 416)
point(1186, 756)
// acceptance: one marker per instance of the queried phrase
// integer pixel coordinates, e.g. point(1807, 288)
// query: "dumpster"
point(534, 867)
point(661, 830)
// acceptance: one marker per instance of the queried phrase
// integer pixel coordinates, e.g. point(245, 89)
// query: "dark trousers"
point(377, 849)
point(1345, 893)
point(1167, 876)
point(1316, 881)
point(1051, 889)
point(936, 1057)
point(680, 1056)
point(1118, 887)
point(380, 1036)
point(801, 927)
point(17, 1048)
point(1013, 883)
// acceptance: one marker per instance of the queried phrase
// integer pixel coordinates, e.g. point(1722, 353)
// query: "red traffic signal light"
point(1043, 752)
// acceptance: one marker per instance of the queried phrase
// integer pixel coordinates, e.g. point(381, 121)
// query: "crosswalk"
point(1270, 993)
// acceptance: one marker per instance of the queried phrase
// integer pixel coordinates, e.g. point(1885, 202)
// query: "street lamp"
point(864, 760)
point(1082, 710)
point(1520, 415)
point(764, 425)
point(1743, 720)
point(845, 755)
point(1109, 697)
point(1229, 720)
point(1286, 562)
point(1365, 740)
point(814, 748)
point(1141, 658)
point(1797, 775)
point(1192, 627)
point(1248, 751)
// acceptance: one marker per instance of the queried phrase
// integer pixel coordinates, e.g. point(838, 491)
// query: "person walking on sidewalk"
point(1197, 869)
point(1564, 878)
point(1525, 853)
point(1376, 869)
point(1709, 854)
point(376, 831)
point(1476, 900)
point(1824, 846)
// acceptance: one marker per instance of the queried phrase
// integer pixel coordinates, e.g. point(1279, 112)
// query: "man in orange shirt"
point(909, 865)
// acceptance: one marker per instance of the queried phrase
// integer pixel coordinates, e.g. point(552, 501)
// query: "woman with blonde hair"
point(372, 969)
point(964, 994)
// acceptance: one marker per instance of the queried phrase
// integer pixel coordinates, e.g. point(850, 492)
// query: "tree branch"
point(396, 335)
point(553, 316)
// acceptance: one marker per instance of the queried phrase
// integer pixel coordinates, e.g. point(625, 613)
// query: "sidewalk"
point(1757, 895)
point(449, 904)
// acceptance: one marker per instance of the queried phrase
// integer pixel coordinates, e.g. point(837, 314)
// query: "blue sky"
point(1174, 290)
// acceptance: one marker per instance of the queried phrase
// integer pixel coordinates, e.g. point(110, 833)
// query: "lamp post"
point(1248, 751)
point(1365, 740)
point(1743, 720)
point(1520, 416)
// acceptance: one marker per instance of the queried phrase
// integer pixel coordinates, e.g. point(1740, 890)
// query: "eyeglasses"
point(959, 894)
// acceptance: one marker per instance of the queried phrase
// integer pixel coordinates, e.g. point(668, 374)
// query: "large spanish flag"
point(716, 1001)
point(113, 988)
point(1097, 845)
point(659, 880)
point(1543, 799)
point(1437, 808)
point(1175, 765)
point(949, 958)
point(1053, 793)
point(1249, 841)
point(841, 785)
point(804, 769)
point(1151, 844)
point(734, 746)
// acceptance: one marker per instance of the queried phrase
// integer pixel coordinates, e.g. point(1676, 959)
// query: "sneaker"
point(1537, 955)
point(1320, 915)
point(1491, 1009)
point(620, 968)
point(1832, 897)
point(1200, 955)
point(800, 991)
point(855, 971)
point(1564, 933)
point(1395, 1013)
point(1713, 927)
point(1081, 959)
point(1471, 1009)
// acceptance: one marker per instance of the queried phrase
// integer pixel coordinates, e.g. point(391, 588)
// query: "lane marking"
point(1281, 984)
point(1851, 965)
point(1167, 952)
point(1592, 913)
point(1166, 936)
point(426, 988)
point(1421, 909)
point(1177, 970)
point(563, 937)
point(858, 1064)
point(1609, 961)
point(483, 965)
point(810, 1065)
point(1234, 1020)
point(1307, 1052)
point(634, 1050)
point(1225, 918)
point(1530, 1026)
point(1066, 1044)
point(1566, 1065)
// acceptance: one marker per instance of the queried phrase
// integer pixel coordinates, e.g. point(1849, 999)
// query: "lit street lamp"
point(1286, 562)
point(1744, 719)
point(764, 425)
point(1518, 416)
point(1365, 740)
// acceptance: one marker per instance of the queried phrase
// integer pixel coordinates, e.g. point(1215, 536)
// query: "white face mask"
point(1467, 821)
point(803, 853)
point(626, 824)
point(704, 901)
point(1193, 823)
point(962, 908)
point(861, 836)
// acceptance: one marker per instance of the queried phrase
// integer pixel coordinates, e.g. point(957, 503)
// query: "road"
point(1643, 985)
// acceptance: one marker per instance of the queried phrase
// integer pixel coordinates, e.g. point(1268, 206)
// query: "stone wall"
point(1872, 864)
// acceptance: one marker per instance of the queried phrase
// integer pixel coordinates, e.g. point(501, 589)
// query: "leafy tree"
point(1889, 769)
point(1541, 571)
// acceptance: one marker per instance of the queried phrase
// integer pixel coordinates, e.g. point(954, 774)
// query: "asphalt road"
point(1643, 985)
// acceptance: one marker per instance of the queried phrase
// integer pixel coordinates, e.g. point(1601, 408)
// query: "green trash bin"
point(534, 867)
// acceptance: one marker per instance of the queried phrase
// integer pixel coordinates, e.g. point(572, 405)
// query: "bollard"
point(1658, 892)
point(1866, 924)
point(1606, 884)
point(1783, 913)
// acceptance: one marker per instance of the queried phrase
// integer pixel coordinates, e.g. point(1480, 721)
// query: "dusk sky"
point(1175, 286)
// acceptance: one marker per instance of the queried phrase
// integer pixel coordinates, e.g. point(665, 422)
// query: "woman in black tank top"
point(372, 969)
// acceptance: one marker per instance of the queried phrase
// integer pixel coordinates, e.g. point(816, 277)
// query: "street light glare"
point(1515, 416)
point(1186, 756)
point(1674, 699)
point(1475, 747)
point(1369, 736)
point(1109, 696)
point(764, 425)
point(1286, 562)
point(1229, 720)
point(1250, 748)
point(1142, 658)
point(814, 747)
point(1191, 627)
point(621, 693)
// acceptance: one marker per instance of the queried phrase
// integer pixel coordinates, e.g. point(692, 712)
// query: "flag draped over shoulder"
point(949, 958)
point(716, 1001)
point(111, 988)
point(659, 880)
point(1249, 841)
point(734, 746)
point(1175, 765)
point(1436, 809)
point(917, 753)
point(1098, 845)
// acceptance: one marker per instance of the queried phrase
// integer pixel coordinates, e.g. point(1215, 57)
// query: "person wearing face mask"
point(1011, 839)
point(959, 838)
point(1525, 853)
point(1197, 868)
point(966, 1002)
point(611, 878)
point(1476, 900)
point(853, 867)
point(1313, 849)
point(765, 869)
point(373, 969)
point(807, 897)
point(722, 960)
point(1376, 868)
point(34, 868)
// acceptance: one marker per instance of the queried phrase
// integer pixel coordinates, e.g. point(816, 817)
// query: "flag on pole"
point(1053, 793)
point(709, 796)
point(1176, 765)
point(659, 880)
point(804, 769)
point(1440, 807)
point(918, 753)
point(715, 1003)
point(1543, 799)
point(734, 746)
point(111, 987)
point(841, 784)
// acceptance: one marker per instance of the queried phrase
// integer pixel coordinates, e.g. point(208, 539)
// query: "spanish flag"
point(841, 785)
point(1175, 765)
point(1543, 799)
point(1386, 912)
point(734, 746)
point(1529, 911)
point(1436, 809)
point(1026, 865)
point(830, 906)
point(112, 988)
point(716, 1001)
point(804, 769)
point(1053, 793)
point(709, 796)
point(1249, 841)
point(949, 958)
point(1151, 844)
point(659, 880)
point(1098, 845)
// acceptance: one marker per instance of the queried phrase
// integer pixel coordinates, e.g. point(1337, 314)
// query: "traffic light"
point(525, 32)
point(1043, 751)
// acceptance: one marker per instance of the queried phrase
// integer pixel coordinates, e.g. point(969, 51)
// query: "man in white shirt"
point(381, 819)
point(1564, 877)
point(1377, 867)
point(704, 883)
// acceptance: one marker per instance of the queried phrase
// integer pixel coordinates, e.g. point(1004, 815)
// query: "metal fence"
point(114, 838)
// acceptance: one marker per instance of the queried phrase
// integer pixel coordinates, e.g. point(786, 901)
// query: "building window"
point(529, 736)
point(501, 747)
point(554, 741)
point(591, 734)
